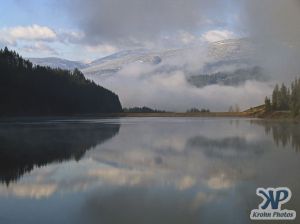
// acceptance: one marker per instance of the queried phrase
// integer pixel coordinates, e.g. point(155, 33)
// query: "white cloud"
point(12, 36)
point(217, 35)
point(103, 49)
point(187, 38)
point(42, 41)
point(70, 36)
point(6, 39)
point(29, 33)
point(39, 47)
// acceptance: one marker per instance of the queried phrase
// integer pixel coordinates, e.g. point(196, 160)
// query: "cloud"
point(281, 22)
point(131, 21)
point(36, 41)
point(275, 26)
point(218, 35)
point(187, 38)
point(29, 39)
point(70, 36)
point(141, 85)
point(29, 33)
point(33, 33)
point(39, 47)
point(102, 49)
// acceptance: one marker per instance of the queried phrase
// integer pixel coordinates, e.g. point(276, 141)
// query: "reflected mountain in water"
point(25, 146)
point(283, 133)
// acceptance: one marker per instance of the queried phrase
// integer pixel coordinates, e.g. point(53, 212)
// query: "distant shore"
point(115, 115)
point(185, 114)
point(279, 115)
point(260, 112)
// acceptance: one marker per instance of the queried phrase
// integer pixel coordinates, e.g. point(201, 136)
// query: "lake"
point(144, 170)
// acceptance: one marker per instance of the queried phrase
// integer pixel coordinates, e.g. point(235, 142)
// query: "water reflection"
point(231, 147)
point(139, 205)
point(158, 170)
point(202, 171)
point(284, 133)
point(28, 145)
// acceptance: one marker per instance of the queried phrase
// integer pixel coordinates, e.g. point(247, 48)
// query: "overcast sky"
point(90, 29)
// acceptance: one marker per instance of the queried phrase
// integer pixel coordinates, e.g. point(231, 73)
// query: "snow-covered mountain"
point(54, 62)
point(227, 62)
point(229, 52)
point(117, 61)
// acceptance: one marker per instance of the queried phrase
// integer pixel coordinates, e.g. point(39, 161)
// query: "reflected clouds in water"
point(168, 171)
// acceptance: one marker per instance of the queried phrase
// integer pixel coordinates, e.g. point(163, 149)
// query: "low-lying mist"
point(165, 86)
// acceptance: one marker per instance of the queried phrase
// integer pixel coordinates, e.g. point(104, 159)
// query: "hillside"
point(36, 90)
point(53, 62)
point(227, 62)
point(234, 78)
point(284, 103)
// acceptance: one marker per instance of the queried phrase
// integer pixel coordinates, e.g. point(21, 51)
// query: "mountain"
point(227, 62)
point(37, 90)
point(233, 78)
point(53, 62)
point(113, 63)
point(230, 63)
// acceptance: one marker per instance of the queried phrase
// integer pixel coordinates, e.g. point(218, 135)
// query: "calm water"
point(144, 170)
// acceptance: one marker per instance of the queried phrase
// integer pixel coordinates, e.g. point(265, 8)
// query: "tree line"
point(234, 109)
point(26, 89)
point(285, 98)
point(196, 110)
point(142, 110)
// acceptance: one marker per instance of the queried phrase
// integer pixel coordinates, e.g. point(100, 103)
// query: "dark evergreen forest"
point(26, 89)
point(285, 98)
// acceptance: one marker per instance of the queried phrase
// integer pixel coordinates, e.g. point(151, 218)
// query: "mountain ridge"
point(222, 59)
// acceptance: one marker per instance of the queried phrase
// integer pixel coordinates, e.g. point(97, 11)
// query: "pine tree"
point(37, 90)
point(295, 97)
point(283, 98)
point(268, 104)
point(275, 97)
point(237, 108)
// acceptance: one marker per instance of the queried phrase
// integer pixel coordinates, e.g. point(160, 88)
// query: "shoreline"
point(271, 116)
point(184, 114)
point(131, 115)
